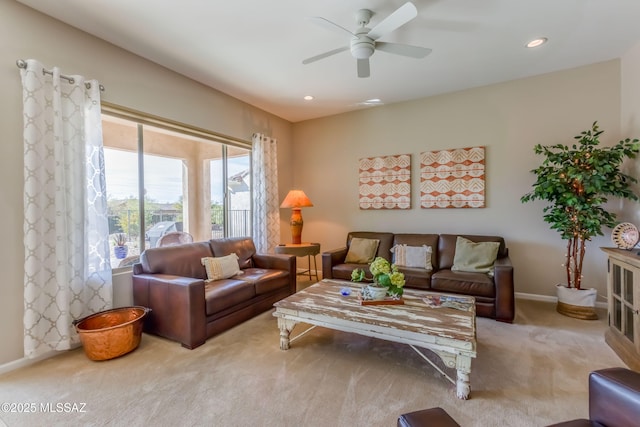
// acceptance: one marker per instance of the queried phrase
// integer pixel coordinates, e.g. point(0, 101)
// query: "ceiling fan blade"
point(403, 49)
point(324, 55)
point(363, 68)
point(401, 16)
point(323, 22)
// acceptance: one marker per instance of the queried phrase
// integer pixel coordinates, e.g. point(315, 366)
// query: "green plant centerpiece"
point(385, 275)
point(576, 182)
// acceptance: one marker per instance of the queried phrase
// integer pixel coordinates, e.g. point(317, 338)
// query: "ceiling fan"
point(364, 41)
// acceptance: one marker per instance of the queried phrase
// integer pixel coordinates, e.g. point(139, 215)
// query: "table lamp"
point(296, 200)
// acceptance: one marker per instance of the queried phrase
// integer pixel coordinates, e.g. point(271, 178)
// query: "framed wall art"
point(452, 178)
point(385, 182)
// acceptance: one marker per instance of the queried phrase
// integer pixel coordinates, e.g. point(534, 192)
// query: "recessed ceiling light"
point(537, 42)
point(370, 102)
point(308, 98)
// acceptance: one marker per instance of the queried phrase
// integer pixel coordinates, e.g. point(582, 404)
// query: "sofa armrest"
point(614, 397)
point(331, 258)
point(279, 262)
point(177, 304)
point(505, 293)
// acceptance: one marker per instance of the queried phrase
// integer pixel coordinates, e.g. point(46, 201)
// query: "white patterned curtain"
point(266, 207)
point(67, 271)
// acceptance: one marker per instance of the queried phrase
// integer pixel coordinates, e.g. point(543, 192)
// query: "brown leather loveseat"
point(494, 294)
point(188, 308)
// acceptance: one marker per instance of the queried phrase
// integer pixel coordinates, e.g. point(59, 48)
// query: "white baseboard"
point(549, 298)
point(25, 361)
point(21, 363)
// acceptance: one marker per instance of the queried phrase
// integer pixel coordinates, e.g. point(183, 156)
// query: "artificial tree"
point(576, 181)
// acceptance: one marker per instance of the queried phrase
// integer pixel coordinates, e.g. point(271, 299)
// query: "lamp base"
point(296, 226)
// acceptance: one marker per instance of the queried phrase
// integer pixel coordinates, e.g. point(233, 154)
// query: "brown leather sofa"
point(614, 400)
point(189, 309)
point(494, 295)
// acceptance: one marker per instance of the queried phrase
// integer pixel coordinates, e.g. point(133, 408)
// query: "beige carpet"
point(531, 373)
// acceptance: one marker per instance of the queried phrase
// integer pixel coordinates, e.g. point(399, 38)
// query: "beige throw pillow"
point(221, 267)
point(362, 251)
point(475, 257)
point(413, 256)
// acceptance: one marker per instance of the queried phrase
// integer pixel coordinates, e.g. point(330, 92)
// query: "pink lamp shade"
point(296, 199)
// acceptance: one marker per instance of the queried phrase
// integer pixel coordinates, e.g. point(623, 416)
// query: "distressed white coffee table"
point(448, 332)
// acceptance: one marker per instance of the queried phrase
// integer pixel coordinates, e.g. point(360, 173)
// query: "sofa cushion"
point(241, 246)
point(266, 280)
point(221, 267)
point(386, 241)
point(362, 251)
point(343, 271)
point(418, 278)
point(419, 239)
point(447, 248)
point(474, 257)
point(473, 284)
point(412, 256)
point(222, 294)
point(178, 260)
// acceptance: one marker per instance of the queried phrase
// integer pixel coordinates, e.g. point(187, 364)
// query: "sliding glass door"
point(161, 180)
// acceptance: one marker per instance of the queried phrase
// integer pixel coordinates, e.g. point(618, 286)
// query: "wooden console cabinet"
point(623, 291)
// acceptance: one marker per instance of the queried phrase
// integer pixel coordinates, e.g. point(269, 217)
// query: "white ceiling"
point(253, 49)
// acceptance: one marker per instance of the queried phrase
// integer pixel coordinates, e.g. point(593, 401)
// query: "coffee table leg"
point(463, 387)
point(463, 384)
point(285, 326)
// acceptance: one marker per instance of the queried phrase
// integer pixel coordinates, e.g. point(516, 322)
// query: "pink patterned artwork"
point(452, 178)
point(385, 182)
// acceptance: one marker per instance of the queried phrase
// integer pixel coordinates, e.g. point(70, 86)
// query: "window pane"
point(216, 192)
point(239, 185)
point(189, 183)
point(165, 183)
point(121, 176)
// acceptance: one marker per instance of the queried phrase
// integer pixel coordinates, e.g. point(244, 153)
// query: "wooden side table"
point(302, 250)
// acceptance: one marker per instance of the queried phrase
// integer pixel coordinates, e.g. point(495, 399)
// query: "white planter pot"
point(577, 303)
point(376, 293)
point(579, 297)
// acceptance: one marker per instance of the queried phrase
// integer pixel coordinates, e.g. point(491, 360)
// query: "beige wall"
point(508, 119)
point(630, 122)
point(130, 81)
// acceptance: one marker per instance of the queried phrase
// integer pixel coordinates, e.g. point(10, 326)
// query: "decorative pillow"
point(221, 267)
point(362, 251)
point(475, 257)
point(413, 256)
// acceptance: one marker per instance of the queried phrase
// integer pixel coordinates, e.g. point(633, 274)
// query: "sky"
point(163, 176)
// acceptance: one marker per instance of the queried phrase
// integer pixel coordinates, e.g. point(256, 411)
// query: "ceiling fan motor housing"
point(362, 47)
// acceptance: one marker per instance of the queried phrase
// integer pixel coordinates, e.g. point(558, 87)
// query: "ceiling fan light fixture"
point(308, 98)
point(537, 42)
point(362, 49)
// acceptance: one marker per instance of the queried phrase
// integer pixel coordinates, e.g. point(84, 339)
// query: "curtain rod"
point(21, 63)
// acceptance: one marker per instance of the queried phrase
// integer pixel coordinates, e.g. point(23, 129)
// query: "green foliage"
point(576, 181)
point(384, 274)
